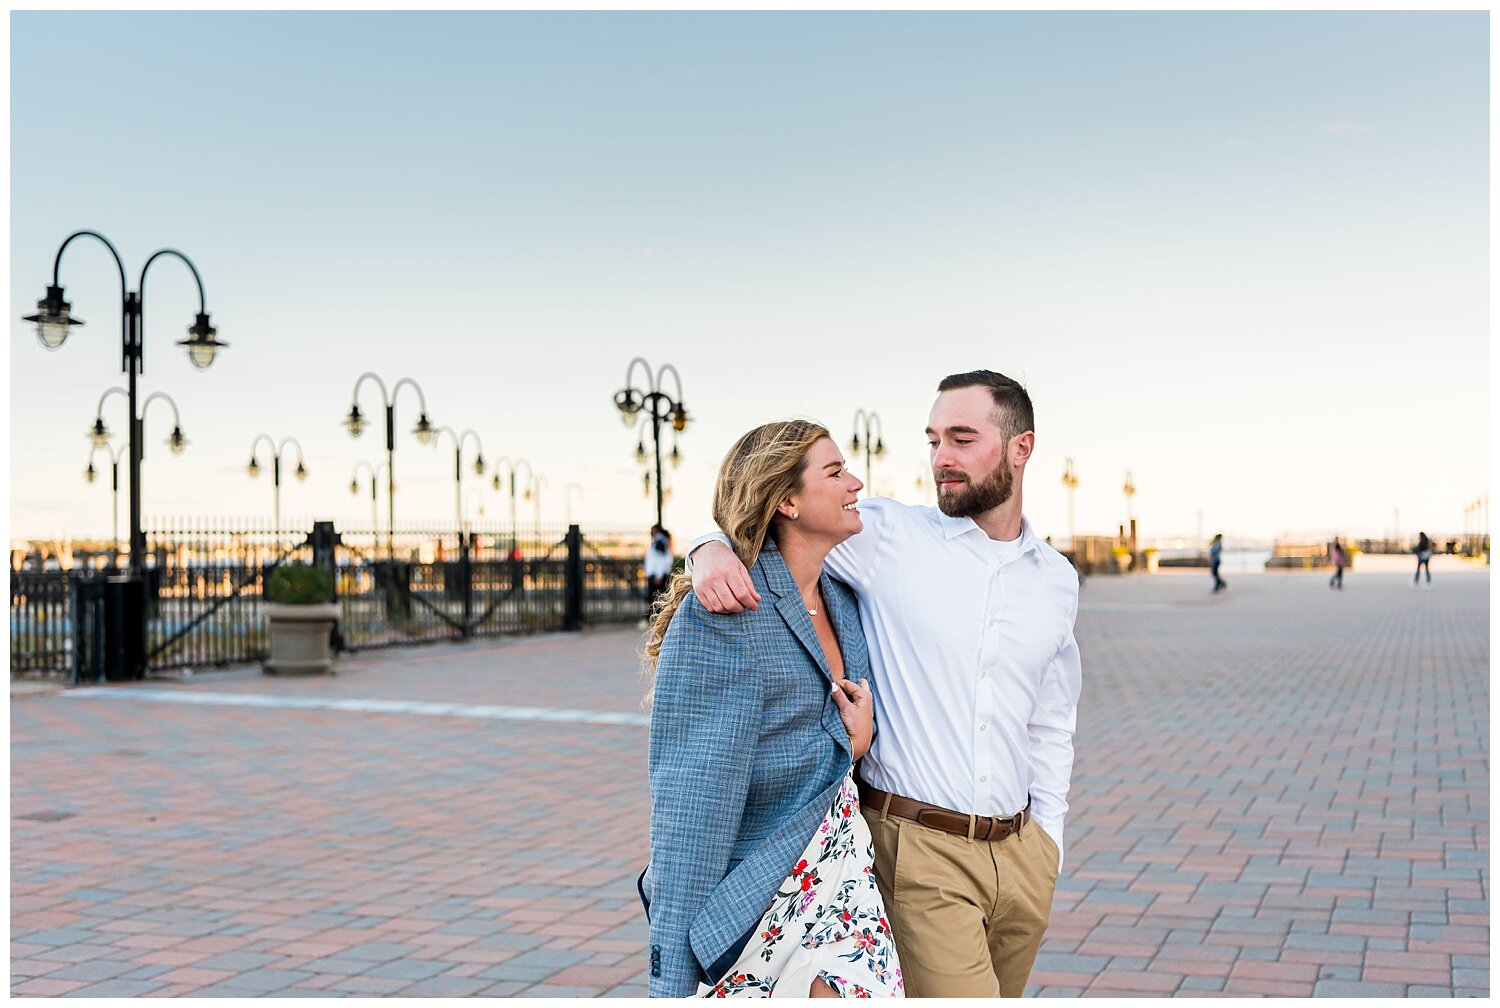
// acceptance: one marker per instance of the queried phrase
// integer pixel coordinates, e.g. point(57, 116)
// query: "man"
point(1215, 555)
point(658, 565)
point(969, 617)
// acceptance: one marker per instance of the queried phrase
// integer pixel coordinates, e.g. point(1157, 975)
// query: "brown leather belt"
point(947, 820)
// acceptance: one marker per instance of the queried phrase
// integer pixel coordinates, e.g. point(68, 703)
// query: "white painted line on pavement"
point(487, 712)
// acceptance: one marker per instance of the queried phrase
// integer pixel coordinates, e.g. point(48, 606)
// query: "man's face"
point(968, 453)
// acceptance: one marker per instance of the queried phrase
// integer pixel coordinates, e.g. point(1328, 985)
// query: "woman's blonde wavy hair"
point(764, 465)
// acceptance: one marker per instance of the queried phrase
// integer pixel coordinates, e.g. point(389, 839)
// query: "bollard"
point(573, 581)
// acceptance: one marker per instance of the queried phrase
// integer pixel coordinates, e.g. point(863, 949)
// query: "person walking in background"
point(658, 565)
point(1215, 555)
point(1339, 557)
point(1423, 550)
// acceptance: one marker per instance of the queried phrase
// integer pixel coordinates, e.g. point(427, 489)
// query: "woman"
point(1423, 550)
point(1339, 557)
point(762, 880)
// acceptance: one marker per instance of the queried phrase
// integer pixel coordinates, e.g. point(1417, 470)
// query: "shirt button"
point(983, 779)
point(982, 727)
point(984, 675)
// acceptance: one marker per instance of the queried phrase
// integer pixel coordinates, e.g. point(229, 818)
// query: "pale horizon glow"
point(1241, 256)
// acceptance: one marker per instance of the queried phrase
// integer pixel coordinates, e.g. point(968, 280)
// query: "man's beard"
point(975, 498)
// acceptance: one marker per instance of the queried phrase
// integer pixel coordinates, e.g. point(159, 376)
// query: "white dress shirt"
point(977, 674)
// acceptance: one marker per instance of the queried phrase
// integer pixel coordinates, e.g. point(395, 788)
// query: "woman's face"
point(825, 504)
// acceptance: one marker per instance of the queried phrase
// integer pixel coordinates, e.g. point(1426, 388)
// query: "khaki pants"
point(968, 916)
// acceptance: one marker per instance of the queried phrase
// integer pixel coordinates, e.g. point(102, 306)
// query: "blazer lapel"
point(791, 607)
point(844, 617)
point(794, 612)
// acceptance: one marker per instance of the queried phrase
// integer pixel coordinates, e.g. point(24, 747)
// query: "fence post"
point(325, 542)
point(465, 570)
point(88, 629)
point(573, 581)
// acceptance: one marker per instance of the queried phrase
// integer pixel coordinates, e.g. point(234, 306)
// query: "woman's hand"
point(857, 710)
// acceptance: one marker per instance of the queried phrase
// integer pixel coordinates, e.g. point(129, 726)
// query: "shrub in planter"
point(301, 618)
point(299, 584)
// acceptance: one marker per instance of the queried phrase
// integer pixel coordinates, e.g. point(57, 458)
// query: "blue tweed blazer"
point(747, 753)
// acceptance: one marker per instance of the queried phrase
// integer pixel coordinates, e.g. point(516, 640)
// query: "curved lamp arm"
point(385, 397)
point(676, 378)
point(301, 471)
point(113, 390)
point(202, 304)
point(515, 474)
point(176, 419)
point(254, 464)
point(630, 370)
point(295, 443)
point(421, 399)
point(201, 334)
point(114, 456)
point(355, 420)
point(124, 284)
point(120, 263)
point(469, 432)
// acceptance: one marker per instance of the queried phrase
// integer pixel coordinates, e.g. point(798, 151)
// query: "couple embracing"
point(931, 648)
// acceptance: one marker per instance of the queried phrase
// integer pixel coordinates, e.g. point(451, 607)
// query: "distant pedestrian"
point(1423, 550)
point(1339, 557)
point(1215, 554)
point(658, 565)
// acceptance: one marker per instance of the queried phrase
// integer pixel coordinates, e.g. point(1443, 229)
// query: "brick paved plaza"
point(1280, 790)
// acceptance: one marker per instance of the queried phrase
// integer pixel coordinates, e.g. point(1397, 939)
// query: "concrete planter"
point(299, 638)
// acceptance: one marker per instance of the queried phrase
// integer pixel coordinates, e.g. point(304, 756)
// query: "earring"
point(794, 516)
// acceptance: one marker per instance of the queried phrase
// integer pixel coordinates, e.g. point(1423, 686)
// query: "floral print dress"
point(827, 920)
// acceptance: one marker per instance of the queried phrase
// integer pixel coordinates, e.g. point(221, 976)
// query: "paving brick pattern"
point(1280, 790)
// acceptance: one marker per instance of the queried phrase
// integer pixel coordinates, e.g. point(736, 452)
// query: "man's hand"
point(720, 581)
point(856, 706)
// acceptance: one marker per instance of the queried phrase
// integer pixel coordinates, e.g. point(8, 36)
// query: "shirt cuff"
point(687, 558)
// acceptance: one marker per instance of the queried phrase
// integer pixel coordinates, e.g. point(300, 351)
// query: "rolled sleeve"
point(705, 718)
point(1050, 730)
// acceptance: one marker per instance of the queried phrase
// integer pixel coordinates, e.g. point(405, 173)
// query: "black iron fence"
point(204, 601)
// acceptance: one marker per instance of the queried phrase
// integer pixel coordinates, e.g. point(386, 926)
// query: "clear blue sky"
point(1243, 256)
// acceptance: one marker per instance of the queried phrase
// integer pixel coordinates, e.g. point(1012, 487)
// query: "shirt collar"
point(954, 527)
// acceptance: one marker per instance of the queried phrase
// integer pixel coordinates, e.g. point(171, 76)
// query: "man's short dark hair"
point(1012, 405)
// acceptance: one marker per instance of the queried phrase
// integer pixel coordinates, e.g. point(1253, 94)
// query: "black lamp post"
point(92, 474)
point(512, 470)
point(54, 321)
point(374, 482)
point(659, 407)
point(424, 431)
point(458, 470)
point(874, 443)
point(100, 434)
point(276, 450)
